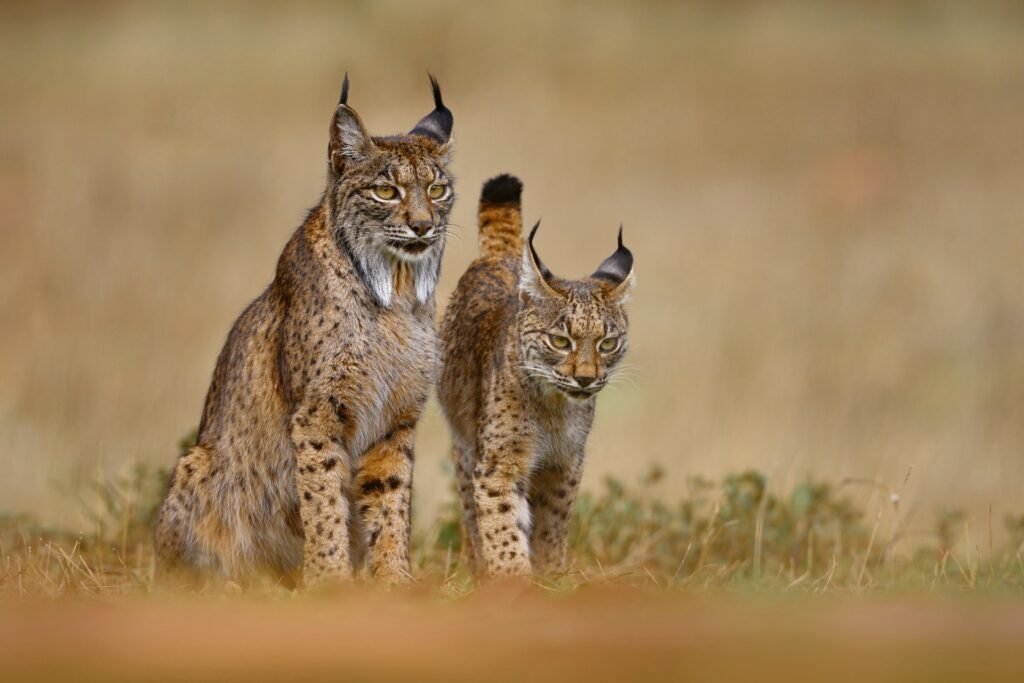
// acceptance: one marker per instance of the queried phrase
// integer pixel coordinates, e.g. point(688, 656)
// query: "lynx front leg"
point(322, 479)
point(502, 513)
point(553, 492)
point(463, 458)
point(384, 491)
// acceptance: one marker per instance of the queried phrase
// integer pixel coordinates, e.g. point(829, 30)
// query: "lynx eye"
point(559, 342)
point(608, 345)
point(385, 192)
point(437, 191)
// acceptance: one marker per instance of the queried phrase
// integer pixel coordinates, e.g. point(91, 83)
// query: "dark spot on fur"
point(339, 409)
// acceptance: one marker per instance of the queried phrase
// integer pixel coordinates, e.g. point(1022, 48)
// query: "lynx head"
point(573, 333)
point(389, 197)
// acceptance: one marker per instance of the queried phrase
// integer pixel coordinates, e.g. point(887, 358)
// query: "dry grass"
point(730, 535)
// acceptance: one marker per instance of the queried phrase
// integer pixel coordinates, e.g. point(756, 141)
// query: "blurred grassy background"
point(824, 200)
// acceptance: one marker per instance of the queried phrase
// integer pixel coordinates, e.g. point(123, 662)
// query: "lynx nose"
point(584, 381)
point(421, 228)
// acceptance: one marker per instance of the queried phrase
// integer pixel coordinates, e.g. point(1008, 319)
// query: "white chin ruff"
point(378, 265)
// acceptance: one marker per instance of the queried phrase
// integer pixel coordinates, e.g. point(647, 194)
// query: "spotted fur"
point(303, 466)
point(518, 407)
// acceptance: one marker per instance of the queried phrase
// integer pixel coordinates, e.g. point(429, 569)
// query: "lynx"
point(304, 456)
point(524, 355)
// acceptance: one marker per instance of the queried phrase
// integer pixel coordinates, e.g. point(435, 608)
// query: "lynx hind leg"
point(463, 459)
point(178, 555)
point(383, 489)
point(552, 496)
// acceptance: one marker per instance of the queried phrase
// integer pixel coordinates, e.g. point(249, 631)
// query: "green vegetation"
point(732, 535)
point(736, 535)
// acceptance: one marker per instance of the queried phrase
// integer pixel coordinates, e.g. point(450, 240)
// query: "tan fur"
point(501, 229)
point(518, 420)
point(304, 455)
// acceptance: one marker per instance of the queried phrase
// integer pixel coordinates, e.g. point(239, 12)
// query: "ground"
point(729, 581)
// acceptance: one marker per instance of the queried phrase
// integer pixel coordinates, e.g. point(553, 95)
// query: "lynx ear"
point(536, 278)
point(349, 137)
point(617, 269)
point(436, 125)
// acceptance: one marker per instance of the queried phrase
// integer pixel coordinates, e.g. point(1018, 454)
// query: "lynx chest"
point(394, 362)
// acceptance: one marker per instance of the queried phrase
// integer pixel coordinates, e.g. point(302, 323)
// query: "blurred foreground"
point(510, 634)
point(729, 580)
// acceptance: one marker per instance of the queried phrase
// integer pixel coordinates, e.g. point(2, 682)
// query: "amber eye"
point(559, 342)
point(437, 191)
point(608, 345)
point(385, 192)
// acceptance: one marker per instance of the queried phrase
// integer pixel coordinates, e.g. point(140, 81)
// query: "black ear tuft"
point(541, 268)
point(436, 89)
point(436, 125)
point(503, 189)
point(617, 267)
point(344, 91)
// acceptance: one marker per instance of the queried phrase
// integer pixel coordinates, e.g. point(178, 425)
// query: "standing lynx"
point(524, 355)
point(304, 456)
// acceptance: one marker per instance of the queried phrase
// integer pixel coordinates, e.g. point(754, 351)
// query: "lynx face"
point(397, 200)
point(391, 198)
point(573, 333)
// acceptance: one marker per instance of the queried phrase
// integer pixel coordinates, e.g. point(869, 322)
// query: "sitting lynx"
point(304, 456)
point(524, 354)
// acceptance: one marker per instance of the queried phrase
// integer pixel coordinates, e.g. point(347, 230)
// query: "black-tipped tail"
point(503, 189)
point(500, 218)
